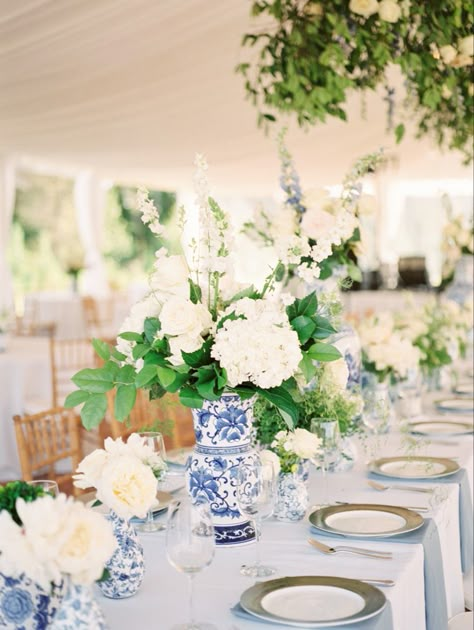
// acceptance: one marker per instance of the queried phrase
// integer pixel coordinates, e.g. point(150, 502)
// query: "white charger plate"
point(365, 520)
point(313, 601)
point(439, 428)
point(414, 467)
point(456, 405)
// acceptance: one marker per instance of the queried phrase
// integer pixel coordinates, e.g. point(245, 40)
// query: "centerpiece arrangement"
point(52, 549)
point(457, 247)
point(215, 343)
point(124, 476)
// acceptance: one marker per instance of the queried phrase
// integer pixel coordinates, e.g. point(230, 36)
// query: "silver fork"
point(368, 553)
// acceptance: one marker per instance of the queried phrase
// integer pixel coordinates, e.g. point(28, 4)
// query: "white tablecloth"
point(162, 599)
point(24, 373)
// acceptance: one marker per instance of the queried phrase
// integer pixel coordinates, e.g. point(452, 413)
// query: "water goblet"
point(48, 485)
point(378, 410)
point(255, 493)
point(327, 429)
point(190, 547)
point(155, 441)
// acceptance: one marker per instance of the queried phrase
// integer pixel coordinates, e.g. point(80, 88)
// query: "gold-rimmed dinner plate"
point(163, 499)
point(440, 428)
point(414, 467)
point(464, 389)
point(365, 520)
point(313, 601)
point(456, 405)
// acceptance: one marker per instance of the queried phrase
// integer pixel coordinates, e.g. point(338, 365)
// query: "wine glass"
point(378, 411)
point(255, 493)
point(48, 485)
point(327, 429)
point(190, 547)
point(154, 439)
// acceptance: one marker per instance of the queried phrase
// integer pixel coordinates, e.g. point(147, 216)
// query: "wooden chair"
point(166, 415)
point(45, 439)
point(68, 356)
point(98, 318)
point(29, 324)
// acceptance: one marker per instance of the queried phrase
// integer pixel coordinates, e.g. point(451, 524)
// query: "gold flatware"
point(381, 487)
point(368, 553)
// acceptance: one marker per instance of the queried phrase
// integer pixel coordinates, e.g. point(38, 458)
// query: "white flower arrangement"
point(385, 351)
point(290, 448)
point(59, 538)
point(123, 474)
point(199, 334)
point(457, 239)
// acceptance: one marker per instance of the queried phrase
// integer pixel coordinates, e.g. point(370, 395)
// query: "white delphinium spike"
point(150, 215)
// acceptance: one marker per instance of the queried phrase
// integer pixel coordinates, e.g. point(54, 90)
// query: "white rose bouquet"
point(386, 353)
point(291, 447)
point(123, 474)
point(54, 539)
point(199, 334)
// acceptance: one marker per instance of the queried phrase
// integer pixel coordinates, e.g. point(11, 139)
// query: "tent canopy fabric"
point(133, 88)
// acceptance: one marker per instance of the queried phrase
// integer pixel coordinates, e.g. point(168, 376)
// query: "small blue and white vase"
point(292, 496)
point(223, 443)
point(79, 609)
point(126, 567)
point(347, 342)
point(26, 605)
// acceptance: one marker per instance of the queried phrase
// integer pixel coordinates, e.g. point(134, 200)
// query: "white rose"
point(269, 458)
point(466, 45)
point(170, 275)
point(335, 375)
point(317, 223)
point(448, 53)
point(389, 11)
point(364, 7)
point(185, 343)
point(127, 486)
point(86, 541)
point(305, 444)
point(462, 60)
point(90, 469)
point(181, 317)
point(139, 446)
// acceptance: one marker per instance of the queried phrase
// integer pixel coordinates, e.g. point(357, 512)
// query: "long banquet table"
point(162, 599)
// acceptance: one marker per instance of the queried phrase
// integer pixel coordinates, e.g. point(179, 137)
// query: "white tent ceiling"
point(133, 88)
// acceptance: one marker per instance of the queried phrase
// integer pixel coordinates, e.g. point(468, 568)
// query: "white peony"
point(304, 443)
point(127, 486)
point(90, 469)
point(269, 458)
point(448, 53)
point(316, 223)
point(170, 275)
point(466, 45)
point(335, 375)
point(180, 316)
point(389, 11)
point(366, 8)
point(376, 329)
point(185, 343)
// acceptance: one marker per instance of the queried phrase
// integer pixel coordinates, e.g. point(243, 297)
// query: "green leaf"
point(324, 352)
point(180, 379)
point(244, 392)
point(102, 349)
point(117, 355)
point(304, 326)
point(189, 397)
point(195, 293)
point(208, 390)
point(131, 336)
point(145, 376)
point(199, 357)
point(96, 381)
point(126, 375)
point(140, 350)
point(279, 397)
point(93, 411)
point(307, 367)
point(76, 398)
point(354, 272)
point(124, 401)
point(150, 327)
point(324, 328)
point(166, 376)
point(308, 305)
point(152, 358)
point(250, 292)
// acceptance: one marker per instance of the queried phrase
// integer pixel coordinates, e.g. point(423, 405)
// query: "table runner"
point(436, 608)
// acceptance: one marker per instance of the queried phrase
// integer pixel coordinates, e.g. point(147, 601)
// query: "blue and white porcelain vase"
point(26, 605)
point(223, 443)
point(126, 566)
point(79, 609)
point(462, 288)
point(292, 496)
point(347, 342)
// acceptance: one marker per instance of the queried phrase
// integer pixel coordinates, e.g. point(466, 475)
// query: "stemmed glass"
point(154, 439)
point(255, 493)
point(327, 429)
point(190, 547)
point(48, 485)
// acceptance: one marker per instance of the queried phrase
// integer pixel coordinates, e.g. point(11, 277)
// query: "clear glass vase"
point(379, 412)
